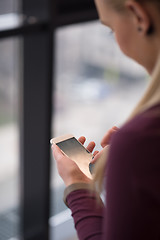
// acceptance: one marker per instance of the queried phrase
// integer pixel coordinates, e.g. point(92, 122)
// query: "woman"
point(132, 173)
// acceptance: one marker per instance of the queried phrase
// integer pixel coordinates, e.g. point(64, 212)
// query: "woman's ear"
point(140, 15)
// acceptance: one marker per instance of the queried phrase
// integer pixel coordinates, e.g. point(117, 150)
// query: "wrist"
point(72, 181)
point(74, 187)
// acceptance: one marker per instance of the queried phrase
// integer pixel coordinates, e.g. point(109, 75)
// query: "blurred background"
point(60, 72)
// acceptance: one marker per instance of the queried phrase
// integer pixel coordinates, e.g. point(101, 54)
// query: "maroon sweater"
point(132, 209)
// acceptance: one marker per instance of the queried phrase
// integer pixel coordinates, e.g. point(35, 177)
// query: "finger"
point(107, 137)
point(91, 146)
point(95, 153)
point(95, 156)
point(57, 153)
point(100, 154)
point(82, 139)
point(115, 128)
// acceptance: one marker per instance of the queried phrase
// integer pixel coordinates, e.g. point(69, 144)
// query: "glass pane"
point(9, 6)
point(9, 138)
point(96, 87)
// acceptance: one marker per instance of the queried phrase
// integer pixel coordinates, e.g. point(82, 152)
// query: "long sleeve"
point(87, 213)
point(133, 182)
point(132, 187)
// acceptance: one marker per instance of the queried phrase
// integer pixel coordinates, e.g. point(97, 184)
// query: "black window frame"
point(41, 19)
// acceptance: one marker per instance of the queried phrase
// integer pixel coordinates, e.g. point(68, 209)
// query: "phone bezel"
point(61, 138)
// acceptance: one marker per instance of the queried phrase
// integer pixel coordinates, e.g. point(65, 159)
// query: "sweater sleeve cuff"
point(75, 187)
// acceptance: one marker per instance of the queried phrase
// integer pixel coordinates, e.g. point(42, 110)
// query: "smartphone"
point(71, 147)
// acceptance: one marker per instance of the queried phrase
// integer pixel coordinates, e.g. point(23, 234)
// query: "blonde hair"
point(150, 98)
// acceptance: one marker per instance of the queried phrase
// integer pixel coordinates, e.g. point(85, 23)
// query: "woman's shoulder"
point(136, 146)
point(144, 124)
point(140, 132)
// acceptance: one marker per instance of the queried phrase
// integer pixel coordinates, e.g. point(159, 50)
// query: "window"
point(26, 56)
point(93, 81)
point(9, 138)
point(9, 6)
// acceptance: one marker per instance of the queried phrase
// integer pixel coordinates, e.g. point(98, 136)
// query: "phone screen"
point(75, 150)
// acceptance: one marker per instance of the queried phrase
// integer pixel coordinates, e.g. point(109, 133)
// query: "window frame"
point(41, 18)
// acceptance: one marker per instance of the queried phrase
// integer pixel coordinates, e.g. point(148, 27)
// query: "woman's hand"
point(107, 137)
point(67, 168)
point(104, 143)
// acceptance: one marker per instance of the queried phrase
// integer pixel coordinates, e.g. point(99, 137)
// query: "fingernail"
point(115, 127)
